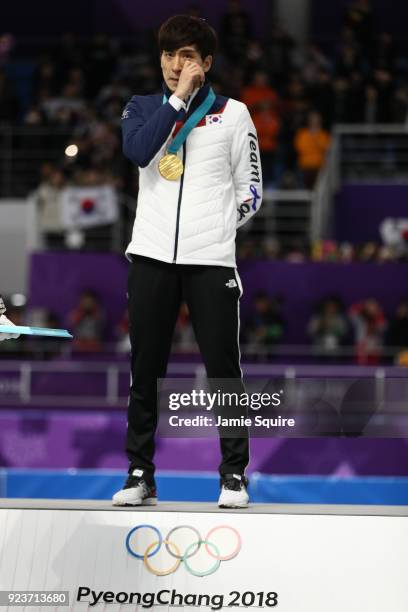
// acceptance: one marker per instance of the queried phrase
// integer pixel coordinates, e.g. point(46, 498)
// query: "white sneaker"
point(136, 492)
point(233, 491)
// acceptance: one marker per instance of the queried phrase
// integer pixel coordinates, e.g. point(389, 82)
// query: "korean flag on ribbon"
point(213, 119)
point(84, 207)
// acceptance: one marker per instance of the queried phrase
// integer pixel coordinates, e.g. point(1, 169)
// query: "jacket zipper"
point(180, 195)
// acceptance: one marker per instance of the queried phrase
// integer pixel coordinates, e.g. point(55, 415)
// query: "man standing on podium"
point(200, 179)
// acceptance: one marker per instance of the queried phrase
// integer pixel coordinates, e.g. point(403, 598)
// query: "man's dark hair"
point(184, 30)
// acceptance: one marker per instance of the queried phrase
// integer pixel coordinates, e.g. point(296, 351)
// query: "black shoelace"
point(132, 481)
point(233, 484)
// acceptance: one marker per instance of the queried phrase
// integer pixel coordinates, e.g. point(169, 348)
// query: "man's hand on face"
point(191, 76)
point(5, 321)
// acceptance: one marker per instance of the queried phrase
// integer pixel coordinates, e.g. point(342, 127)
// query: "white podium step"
point(91, 504)
point(292, 558)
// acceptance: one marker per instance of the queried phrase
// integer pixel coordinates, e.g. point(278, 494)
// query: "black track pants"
point(156, 290)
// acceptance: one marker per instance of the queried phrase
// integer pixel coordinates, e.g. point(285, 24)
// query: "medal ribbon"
point(191, 122)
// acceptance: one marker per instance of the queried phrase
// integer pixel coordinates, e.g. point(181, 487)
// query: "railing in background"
point(23, 151)
point(372, 153)
point(328, 182)
point(358, 154)
point(83, 384)
point(284, 215)
point(38, 349)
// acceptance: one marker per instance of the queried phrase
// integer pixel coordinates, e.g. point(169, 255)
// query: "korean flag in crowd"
point(84, 207)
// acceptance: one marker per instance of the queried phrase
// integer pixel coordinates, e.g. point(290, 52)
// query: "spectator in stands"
point(235, 31)
point(101, 62)
point(111, 100)
point(278, 53)
point(34, 117)
point(45, 81)
point(384, 85)
point(360, 19)
point(311, 62)
point(9, 106)
point(246, 249)
point(369, 325)
point(123, 344)
point(296, 251)
point(354, 110)
point(371, 111)
point(255, 60)
point(271, 248)
point(262, 102)
point(7, 43)
point(68, 54)
point(66, 109)
point(87, 321)
point(328, 328)
point(346, 252)
point(399, 105)
point(397, 336)
point(385, 254)
point(349, 58)
point(258, 91)
point(324, 250)
point(311, 144)
point(394, 234)
point(80, 87)
point(41, 347)
point(322, 96)
point(265, 326)
point(384, 53)
point(368, 252)
point(97, 161)
point(47, 198)
point(341, 108)
point(295, 107)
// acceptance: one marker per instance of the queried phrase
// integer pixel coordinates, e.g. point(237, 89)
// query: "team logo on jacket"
point(253, 159)
point(213, 119)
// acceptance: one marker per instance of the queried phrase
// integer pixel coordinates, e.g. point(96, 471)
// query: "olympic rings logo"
point(182, 549)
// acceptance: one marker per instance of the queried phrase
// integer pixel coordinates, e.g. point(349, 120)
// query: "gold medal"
point(171, 167)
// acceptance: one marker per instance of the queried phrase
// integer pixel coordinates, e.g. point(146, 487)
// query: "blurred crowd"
point(362, 333)
point(295, 93)
point(321, 251)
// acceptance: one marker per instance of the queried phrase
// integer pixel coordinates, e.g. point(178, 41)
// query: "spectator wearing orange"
point(259, 91)
point(311, 144)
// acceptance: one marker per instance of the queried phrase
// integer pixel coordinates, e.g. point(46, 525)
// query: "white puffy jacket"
point(192, 220)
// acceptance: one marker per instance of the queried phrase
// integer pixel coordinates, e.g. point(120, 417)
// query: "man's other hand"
point(6, 336)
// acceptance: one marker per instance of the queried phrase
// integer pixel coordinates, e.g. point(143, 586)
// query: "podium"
point(289, 557)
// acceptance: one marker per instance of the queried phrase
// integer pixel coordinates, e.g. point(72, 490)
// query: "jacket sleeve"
point(142, 138)
point(246, 168)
